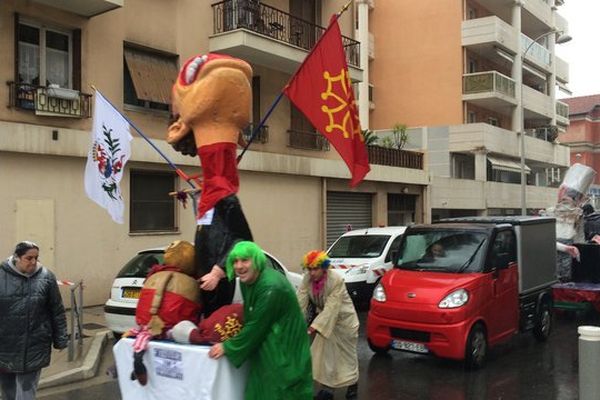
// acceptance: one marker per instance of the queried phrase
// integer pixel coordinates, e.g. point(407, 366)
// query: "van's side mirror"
point(394, 254)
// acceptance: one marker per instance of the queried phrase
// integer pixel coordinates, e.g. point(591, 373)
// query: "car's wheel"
point(377, 349)
point(476, 348)
point(543, 322)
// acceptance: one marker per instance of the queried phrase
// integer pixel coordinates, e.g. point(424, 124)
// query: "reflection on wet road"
point(520, 369)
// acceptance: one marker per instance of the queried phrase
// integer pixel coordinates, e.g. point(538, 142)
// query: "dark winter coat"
point(32, 318)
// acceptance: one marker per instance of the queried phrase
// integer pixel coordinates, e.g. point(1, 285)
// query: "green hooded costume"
point(273, 338)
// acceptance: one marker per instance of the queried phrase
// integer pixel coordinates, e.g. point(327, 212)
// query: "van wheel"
point(476, 348)
point(377, 349)
point(543, 322)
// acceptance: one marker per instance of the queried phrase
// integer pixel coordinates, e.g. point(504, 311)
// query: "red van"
point(462, 285)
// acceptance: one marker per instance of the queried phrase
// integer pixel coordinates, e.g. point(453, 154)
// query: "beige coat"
point(334, 359)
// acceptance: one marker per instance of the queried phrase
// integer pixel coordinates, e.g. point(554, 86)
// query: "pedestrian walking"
point(32, 319)
point(334, 328)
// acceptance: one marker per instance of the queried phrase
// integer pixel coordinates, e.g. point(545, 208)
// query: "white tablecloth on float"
point(178, 372)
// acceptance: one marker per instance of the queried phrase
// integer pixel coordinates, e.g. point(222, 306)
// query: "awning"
point(508, 57)
point(563, 88)
point(534, 71)
point(152, 76)
point(504, 164)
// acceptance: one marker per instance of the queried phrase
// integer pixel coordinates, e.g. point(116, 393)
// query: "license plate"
point(131, 293)
point(409, 346)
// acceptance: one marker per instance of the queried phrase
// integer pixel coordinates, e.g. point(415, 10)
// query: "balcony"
point(491, 90)
point(562, 113)
point(307, 140)
point(395, 157)
point(537, 16)
point(85, 8)
point(548, 133)
point(539, 150)
point(537, 105)
point(267, 36)
point(485, 35)
point(562, 70)
point(50, 101)
point(537, 54)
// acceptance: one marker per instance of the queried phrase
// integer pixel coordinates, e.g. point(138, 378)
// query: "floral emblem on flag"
point(346, 105)
point(107, 156)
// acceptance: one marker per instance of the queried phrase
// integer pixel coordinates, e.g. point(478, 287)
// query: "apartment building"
point(294, 189)
point(583, 137)
point(463, 76)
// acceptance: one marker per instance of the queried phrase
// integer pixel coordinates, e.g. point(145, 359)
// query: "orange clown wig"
point(315, 259)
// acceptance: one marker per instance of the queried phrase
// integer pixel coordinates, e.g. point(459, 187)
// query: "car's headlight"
point(456, 299)
point(379, 293)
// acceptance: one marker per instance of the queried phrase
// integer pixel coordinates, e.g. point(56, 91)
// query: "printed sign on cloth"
point(322, 90)
point(108, 154)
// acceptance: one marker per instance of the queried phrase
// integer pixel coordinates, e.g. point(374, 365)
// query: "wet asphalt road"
point(520, 369)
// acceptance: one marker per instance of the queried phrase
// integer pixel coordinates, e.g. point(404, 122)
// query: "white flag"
point(108, 154)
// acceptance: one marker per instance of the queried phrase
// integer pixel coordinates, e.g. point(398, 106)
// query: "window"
point(47, 55)
point(471, 117)
point(152, 209)
point(493, 121)
point(503, 250)
point(463, 166)
point(473, 65)
point(148, 77)
point(303, 135)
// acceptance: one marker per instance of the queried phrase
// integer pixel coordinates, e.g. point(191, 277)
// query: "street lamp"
point(562, 38)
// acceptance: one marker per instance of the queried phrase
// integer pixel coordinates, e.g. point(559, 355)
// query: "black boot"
point(352, 391)
point(139, 369)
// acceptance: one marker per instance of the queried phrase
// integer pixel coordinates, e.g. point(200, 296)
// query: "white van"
point(362, 257)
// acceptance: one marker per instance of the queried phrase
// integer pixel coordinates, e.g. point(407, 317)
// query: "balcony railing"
point(537, 51)
point(49, 101)
point(562, 109)
point(548, 133)
point(230, 15)
point(395, 157)
point(261, 137)
point(490, 81)
point(307, 140)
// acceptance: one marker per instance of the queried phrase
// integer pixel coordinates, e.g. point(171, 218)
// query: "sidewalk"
point(86, 360)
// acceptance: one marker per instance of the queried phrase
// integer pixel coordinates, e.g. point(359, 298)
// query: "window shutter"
point(77, 59)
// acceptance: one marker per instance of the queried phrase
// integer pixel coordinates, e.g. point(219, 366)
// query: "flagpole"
point(163, 155)
point(280, 96)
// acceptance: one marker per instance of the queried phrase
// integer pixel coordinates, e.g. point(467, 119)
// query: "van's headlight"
point(379, 293)
point(456, 299)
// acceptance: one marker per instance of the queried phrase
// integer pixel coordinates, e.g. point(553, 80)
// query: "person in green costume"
point(273, 339)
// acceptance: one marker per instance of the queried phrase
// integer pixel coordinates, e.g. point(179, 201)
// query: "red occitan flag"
point(322, 90)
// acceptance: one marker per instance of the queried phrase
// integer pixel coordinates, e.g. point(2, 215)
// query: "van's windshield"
point(364, 246)
point(442, 251)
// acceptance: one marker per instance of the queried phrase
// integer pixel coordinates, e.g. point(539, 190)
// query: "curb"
point(88, 368)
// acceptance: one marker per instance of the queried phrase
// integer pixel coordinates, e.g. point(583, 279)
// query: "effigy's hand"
point(210, 281)
point(596, 239)
point(573, 252)
point(216, 351)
